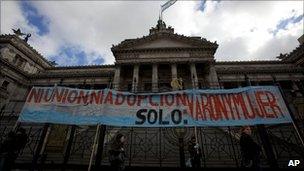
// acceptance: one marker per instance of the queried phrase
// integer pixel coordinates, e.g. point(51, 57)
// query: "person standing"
point(250, 150)
point(11, 147)
point(195, 153)
point(117, 153)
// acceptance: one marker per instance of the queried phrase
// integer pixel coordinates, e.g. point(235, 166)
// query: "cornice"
point(14, 68)
point(72, 75)
point(16, 41)
point(165, 49)
point(250, 62)
point(24, 75)
point(258, 71)
point(293, 55)
point(162, 60)
point(83, 67)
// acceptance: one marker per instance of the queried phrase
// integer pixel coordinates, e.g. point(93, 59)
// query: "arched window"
point(5, 85)
point(18, 60)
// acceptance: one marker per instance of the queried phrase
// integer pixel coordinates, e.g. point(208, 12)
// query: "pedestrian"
point(195, 153)
point(21, 139)
point(250, 150)
point(117, 153)
point(11, 147)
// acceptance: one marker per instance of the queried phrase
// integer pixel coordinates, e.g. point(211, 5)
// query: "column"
point(116, 80)
point(296, 89)
point(135, 78)
point(174, 71)
point(154, 78)
point(212, 78)
point(193, 76)
point(174, 76)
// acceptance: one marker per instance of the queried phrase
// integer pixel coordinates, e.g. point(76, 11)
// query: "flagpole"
point(94, 147)
point(291, 114)
point(49, 128)
point(195, 132)
point(165, 6)
point(160, 15)
point(44, 139)
point(297, 131)
point(96, 141)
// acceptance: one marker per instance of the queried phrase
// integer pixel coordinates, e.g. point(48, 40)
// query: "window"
point(148, 87)
point(163, 87)
point(16, 59)
point(228, 85)
point(20, 62)
point(129, 87)
point(100, 86)
point(5, 85)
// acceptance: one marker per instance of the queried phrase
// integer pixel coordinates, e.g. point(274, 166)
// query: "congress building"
point(149, 64)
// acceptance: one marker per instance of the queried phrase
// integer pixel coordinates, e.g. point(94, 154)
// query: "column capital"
point(191, 63)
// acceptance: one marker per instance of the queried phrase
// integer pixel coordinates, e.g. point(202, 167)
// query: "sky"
point(83, 32)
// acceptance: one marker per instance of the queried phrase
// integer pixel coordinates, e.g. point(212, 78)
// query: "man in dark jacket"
point(117, 153)
point(250, 150)
point(195, 153)
point(11, 147)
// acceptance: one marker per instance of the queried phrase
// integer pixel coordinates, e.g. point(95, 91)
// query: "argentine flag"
point(167, 5)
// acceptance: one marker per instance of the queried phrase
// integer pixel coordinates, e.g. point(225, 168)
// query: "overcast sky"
point(82, 32)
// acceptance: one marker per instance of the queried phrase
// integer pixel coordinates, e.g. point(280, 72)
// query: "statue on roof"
point(27, 36)
point(160, 24)
point(282, 56)
point(20, 34)
point(53, 63)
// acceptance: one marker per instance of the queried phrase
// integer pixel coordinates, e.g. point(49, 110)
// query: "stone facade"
point(147, 64)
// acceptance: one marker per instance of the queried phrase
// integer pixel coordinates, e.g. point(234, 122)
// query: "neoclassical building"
point(149, 64)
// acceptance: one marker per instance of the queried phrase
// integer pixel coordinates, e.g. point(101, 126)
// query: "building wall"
point(19, 72)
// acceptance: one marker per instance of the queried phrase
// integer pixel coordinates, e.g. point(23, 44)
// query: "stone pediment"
point(164, 40)
point(163, 43)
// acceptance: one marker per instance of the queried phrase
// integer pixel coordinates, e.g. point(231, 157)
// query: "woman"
point(117, 153)
point(250, 150)
point(195, 153)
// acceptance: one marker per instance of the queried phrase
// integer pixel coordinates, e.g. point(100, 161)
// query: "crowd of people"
point(15, 141)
